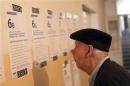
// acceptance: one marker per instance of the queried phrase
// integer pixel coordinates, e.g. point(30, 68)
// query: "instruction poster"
point(69, 22)
point(40, 42)
point(70, 27)
point(67, 73)
point(63, 38)
point(62, 23)
point(76, 24)
point(51, 18)
point(53, 36)
point(75, 72)
point(18, 38)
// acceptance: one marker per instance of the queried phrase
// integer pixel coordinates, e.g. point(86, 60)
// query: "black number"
point(22, 72)
point(34, 25)
point(10, 24)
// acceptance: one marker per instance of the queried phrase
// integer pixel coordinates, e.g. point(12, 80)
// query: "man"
point(91, 55)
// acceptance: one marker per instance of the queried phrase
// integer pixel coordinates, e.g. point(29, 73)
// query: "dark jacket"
point(112, 74)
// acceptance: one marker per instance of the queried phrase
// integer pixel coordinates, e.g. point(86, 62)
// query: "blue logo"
point(34, 25)
point(10, 23)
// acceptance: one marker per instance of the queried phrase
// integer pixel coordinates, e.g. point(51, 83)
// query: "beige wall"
point(110, 6)
point(114, 29)
point(99, 7)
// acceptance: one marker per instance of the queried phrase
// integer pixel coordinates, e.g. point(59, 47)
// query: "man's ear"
point(90, 51)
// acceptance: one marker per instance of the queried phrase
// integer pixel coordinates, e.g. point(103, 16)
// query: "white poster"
point(63, 38)
point(75, 72)
point(51, 21)
point(62, 23)
point(40, 42)
point(18, 38)
point(2, 75)
point(67, 73)
point(53, 36)
point(76, 22)
point(70, 28)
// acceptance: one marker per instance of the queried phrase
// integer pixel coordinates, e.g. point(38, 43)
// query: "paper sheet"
point(67, 73)
point(18, 38)
point(75, 72)
point(70, 28)
point(40, 42)
point(62, 23)
point(51, 21)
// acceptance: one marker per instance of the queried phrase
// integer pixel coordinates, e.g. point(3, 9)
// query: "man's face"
point(79, 53)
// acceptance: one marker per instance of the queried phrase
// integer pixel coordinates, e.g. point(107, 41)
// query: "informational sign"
point(53, 36)
point(70, 28)
point(18, 38)
point(69, 22)
point(62, 23)
point(63, 38)
point(75, 72)
point(67, 73)
point(51, 22)
point(76, 25)
point(2, 75)
point(40, 42)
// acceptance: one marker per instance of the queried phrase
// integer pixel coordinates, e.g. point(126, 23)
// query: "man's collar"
point(94, 73)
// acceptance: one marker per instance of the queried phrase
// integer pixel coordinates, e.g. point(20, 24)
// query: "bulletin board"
point(36, 49)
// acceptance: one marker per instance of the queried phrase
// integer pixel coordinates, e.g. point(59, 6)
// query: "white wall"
point(123, 7)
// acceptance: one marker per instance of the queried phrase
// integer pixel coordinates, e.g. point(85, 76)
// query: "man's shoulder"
point(111, 69)
point(111, 66)
point(112, 74)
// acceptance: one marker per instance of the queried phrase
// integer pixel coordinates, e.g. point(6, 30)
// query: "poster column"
point(18, 38)
point(40, 41)
point(67, 73)
point(53, 36)
point(69, 24)
point(75, 73)
point(76, 22)
point(63, 38)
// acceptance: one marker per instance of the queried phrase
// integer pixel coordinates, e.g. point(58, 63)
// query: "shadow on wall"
point(40, 76)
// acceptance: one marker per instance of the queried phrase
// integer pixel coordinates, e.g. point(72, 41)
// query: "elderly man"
point(91, 55)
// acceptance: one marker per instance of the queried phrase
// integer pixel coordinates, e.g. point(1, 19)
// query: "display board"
point(67, 73)
point(16, 44)
point(18, 40)
point(35, 50)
